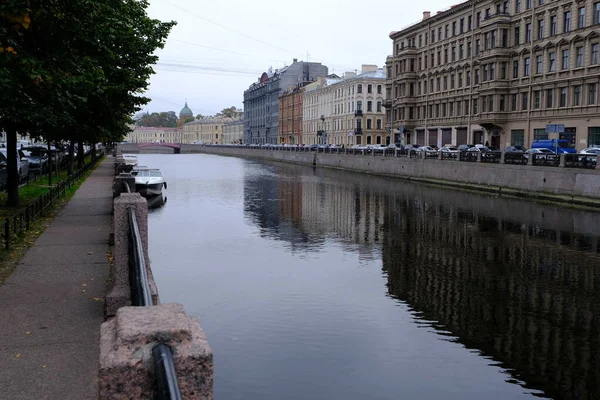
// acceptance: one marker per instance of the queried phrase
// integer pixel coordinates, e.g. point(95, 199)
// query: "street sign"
point(555, 128)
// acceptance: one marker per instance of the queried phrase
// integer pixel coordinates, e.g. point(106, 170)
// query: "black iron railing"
point(21, 221)
point(167, 387)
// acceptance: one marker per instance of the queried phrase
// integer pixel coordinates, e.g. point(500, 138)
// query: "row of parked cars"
point(34, 158)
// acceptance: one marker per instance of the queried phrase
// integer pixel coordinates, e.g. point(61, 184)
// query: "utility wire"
point(239, 33)
point(219, 49)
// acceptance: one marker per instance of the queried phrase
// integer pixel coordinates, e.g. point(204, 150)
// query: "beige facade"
point(205, 131)
point(498, 72)
point(145, 134)
point(346, 110)
point(233, 132)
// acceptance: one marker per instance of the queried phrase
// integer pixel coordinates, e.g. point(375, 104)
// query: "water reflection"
point(516, 281)
point(156, 202)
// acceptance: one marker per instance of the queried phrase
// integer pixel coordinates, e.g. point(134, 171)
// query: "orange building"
point(290, 115)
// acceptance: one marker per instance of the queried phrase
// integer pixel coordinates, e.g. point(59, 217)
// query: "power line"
point(208, 68)
point(225, 27)
point(219, 49)
point(240, 33)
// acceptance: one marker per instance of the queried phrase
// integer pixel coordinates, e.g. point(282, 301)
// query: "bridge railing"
point(147, 349)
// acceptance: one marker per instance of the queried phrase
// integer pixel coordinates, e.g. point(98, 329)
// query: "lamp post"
point(323, 137)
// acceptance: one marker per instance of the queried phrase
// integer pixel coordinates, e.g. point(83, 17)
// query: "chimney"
point(426, 15)
point(295, 60)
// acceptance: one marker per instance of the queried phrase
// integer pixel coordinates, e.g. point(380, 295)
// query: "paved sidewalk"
point(52, 306)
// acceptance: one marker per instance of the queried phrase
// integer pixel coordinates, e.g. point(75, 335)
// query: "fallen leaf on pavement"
point(28, 333)
point(18, 355)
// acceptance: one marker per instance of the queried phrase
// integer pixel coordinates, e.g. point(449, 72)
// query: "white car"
point(592, 151)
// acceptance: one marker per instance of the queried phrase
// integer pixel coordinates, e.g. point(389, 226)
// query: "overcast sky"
point(220, 47)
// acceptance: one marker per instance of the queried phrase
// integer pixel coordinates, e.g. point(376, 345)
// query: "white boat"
point(148, 181)
point(130, 161)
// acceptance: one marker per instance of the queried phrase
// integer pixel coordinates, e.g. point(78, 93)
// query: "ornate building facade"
point(498, 72)
point(348, 110)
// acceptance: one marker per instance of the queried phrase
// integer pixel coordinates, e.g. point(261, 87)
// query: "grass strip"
point(26, 238)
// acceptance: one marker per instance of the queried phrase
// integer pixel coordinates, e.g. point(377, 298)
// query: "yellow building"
point(205, 131)
point(149, 134)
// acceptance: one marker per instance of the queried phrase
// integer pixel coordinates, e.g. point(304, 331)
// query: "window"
point(378, 89)
point(538, 62)
point(378, 124)
point(540, 29)
point(462, 25)
point(359, 89)
point(524, 101)
point(517, 6)
point(592, 93)
point(537, 98)
point(581, 18)
point(517, 35)
point(579, 59)
point(594, 53)
point(491, 103)
point(576, 95)
point(503, 66)
point(513, 103)
point(549, 98)
point(502, 100)
point(552, 63)
point(563, 97)
point(565, 59)
point(540, 134)
point(528, 4)
point(453, 53)
point(492, 71)
point(567, 22)
point(454, 28)
point(475, 105)
point(528, 33)
point(460, 51)
point(369, 88)
point(517, 137)
point(370, 123)
point(593, 136)
point(504, 37)
point(378, 106)
point(483, 103)
point(359, 105)
point(369, 105)
point(452, 81)
point(469, 23)
point(527, 69)
point(460, 79)
point(597, 13)
point(553, 25)
point(515, 69)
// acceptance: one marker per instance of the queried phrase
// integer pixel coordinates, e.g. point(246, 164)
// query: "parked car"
point(22, 165)
point(592, 151)
point(465, 147)
point(398, 146)
point(427, 150)
point(515, 149)
point(37, 157)
point(450, 151)
point(543, 153)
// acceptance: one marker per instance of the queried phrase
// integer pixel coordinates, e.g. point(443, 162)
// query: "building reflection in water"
point(517, 281)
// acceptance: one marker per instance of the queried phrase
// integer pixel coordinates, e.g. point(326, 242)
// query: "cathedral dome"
point(186, 112)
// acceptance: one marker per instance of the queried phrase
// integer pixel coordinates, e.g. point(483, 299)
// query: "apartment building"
point(499, 72)
point(206, 131)
point(347, 110)
point(261, 99)
point(233, 132)
point(149, 134)
point(290, 115)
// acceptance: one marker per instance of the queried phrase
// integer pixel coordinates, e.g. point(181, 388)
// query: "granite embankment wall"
point(566, 185)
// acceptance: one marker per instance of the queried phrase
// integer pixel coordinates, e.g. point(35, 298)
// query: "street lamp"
point(322, 132)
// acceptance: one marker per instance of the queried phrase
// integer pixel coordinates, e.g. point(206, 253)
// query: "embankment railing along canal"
point(165, 376)
point(564, 160)
point(22, 220)
point(147, 349)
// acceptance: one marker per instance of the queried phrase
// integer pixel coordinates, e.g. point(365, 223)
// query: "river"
point(322, 284)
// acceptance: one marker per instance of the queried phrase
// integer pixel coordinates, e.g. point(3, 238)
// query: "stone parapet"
point(119, 293)
point(126, 343)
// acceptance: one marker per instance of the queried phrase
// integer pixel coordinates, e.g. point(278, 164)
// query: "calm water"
point(317, 284)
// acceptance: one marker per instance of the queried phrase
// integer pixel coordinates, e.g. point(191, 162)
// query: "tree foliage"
point(73, 69)
point(230, 112)
point(158, 119)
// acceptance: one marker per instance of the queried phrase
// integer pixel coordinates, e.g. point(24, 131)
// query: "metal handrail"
point(140, 288)
point(164, 366)
point(164, 370)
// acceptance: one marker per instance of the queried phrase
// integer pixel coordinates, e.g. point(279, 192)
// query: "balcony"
point(495, 85)
point(406, 76)
point(497, 18)
point(496, 118)
point(387, 103)
point(495, 52)
point(358, 113)
point(358, 131)
point(406, 50)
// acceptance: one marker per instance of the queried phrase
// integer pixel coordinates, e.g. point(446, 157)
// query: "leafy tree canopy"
point(159, 119)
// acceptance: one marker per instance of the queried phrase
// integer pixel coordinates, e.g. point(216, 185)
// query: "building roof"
point(155, 128)
point(217, 120)
point(186, 111)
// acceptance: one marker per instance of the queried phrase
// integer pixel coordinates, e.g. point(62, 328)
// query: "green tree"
point(230, 112)
point(73, 69)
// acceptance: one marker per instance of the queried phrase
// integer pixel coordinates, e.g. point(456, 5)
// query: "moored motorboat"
point(149, 181)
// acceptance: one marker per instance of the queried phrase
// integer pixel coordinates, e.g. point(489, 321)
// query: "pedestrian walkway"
point(52, 306)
